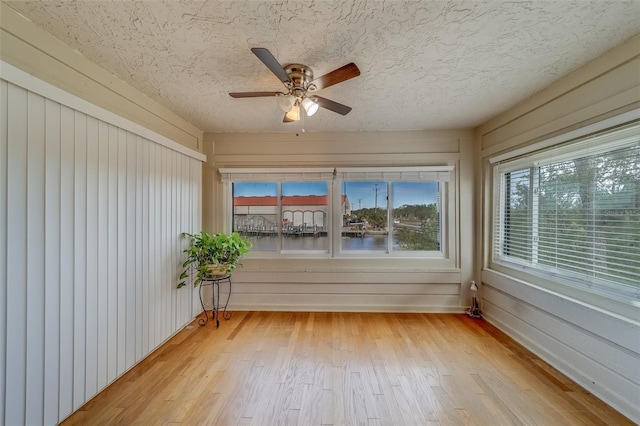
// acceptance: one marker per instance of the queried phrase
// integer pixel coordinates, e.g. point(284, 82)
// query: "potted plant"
point(213, 255)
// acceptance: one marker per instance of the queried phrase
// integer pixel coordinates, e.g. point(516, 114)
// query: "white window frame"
point(565, 146)
point(444, 174)
point(278, 175)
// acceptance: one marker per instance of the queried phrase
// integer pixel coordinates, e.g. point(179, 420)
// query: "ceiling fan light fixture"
point(286, 102)
point(294, 114)
point(299, 83)
point(309, 106)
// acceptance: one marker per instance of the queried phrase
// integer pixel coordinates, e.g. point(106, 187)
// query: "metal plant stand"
point(215, 300)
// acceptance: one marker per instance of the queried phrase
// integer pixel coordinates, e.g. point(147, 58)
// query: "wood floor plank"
point(319, 368)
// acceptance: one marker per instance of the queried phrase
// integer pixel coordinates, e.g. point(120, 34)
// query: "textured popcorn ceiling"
point(424, 64)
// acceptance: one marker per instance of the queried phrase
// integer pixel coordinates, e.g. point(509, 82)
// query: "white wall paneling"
point(346, 291)
point(91, 216)
point(3, 238)
point(16, 304)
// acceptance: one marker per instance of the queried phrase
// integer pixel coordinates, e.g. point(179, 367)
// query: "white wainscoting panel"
point(347, 291)
point(91, 217)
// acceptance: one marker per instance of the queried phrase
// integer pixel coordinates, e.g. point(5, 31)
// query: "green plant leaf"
point(212, 249)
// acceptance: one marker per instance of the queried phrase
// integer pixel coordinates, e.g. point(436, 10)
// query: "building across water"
point(301, 214)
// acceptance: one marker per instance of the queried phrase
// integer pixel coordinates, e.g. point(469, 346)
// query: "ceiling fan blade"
point(253, 94)
point(337, 76)
point(272, 63)
point(286, 119)
point(332, 105)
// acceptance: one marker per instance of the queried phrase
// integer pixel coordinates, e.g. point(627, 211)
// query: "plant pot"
point(218, 270)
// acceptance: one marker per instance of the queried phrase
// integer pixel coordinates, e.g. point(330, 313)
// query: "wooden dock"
point(347, 231)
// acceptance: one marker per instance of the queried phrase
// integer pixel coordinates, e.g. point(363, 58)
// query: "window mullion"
point(535, 213)
point(279, 219)
point(389, 219)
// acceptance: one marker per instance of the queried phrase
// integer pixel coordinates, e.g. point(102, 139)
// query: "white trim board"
point(33, 84)
point(573, 134)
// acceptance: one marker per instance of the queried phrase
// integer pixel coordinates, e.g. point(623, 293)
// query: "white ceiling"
point(424, 64)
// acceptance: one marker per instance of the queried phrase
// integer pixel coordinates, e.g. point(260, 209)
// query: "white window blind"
point(276, 175)
point(573, 211)
point(406, 174)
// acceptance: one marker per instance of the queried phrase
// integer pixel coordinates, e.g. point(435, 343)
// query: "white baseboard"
point(348, 308)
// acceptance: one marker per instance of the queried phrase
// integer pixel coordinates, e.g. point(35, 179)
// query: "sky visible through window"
point(360, 194)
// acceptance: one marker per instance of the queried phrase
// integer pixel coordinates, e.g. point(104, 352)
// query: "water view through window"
point(294, 216)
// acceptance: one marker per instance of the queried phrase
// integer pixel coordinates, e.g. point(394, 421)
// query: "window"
point(365, 216)
point(332, 212)
point(416, 216)
point(278, 216)
point(255, 213)
point(411, 219)
point(572, 212)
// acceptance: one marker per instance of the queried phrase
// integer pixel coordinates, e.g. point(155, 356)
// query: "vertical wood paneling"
point(80, 259)
point(17, 255)
point(93, 216)
point(166, 197)
point(176, 242)
point(160, 244)
point(35, 257)
point(172, 231)
point(146, 347)
point(122, 249)
point(196, 212)
point(67, 173)
point(185, 300)
point(153, 211)
point(3, 240)
point(177, 212)
point(103, 253)
point(138, 250)
point(91, 282)
point(112, 258)
point(130, 279)
point(52, 263)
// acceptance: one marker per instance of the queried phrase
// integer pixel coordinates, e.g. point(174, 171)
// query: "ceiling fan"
point(301, 87)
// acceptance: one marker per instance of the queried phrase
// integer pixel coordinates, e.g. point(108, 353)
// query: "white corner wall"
point(594, 341)
point(349, 284)
point(92, 207)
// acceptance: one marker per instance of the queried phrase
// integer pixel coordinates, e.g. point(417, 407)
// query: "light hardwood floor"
point(286, 368)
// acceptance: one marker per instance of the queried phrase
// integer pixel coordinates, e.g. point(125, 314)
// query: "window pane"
point(364, 213)
point(416, 216)
point(517, 215)
point(590, 217)
point(305, 212)
point(255, 213)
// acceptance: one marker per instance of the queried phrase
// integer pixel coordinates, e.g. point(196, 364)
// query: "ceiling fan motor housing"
point(301, 76)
